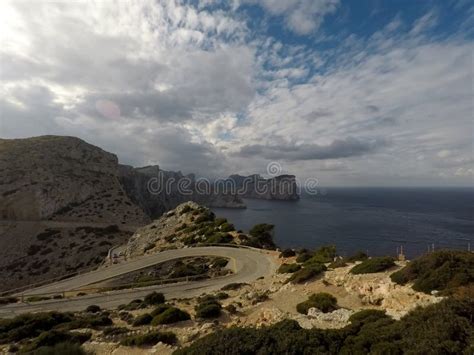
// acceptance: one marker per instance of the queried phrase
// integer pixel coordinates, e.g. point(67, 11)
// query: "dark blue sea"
point(374, 220)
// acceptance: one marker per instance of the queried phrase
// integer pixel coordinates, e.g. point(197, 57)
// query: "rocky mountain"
point(62, 178)
point(282, 187)
point(157, 191)
point(64, 203)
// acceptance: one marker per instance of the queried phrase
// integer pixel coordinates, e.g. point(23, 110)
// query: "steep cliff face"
point(157, 191)
point(62, 178)
point(282, 187)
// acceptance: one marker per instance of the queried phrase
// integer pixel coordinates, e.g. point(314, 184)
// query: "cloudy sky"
point(373, 92)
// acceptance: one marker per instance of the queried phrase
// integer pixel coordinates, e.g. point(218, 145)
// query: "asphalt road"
point(247, 264)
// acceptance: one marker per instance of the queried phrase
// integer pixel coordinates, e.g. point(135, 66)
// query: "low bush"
point(288, 268)
point(220, 262)
point(231, 309)
point(443, 270)
point(143, 319)
point(27, 326)
point(287, 253)
point(154, 298)
point(234, 286)
point(222, 295)
point(61, 349)
point(322, 301)
point(111, 331)
point(337, 263)
point(208, 307)
point(149, 339)
point(261, 236)
point(171, 315)
point(91, 320)
point(227, 227)
point(160, 309)
point(53, 337)
point(303, 257)
point(373, 265)
point(358, 256)
point(93, 308)
point(443, 328)
point(132, 306)
point(307, 273)
point(367, 315)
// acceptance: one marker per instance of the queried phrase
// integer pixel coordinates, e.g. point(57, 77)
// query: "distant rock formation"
point(282, 187)
point(157, 191)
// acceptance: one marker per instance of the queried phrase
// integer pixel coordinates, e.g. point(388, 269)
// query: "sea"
point(378, 221)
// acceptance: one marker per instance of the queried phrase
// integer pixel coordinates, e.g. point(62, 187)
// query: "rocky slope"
point(282, 187)
point(62, 178)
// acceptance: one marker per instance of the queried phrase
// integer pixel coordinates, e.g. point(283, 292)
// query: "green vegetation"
point(150, 338)
point(367, 315)
point(307, 273)
point(287, 253)
point(234, 286)
point(261, 236)
point(111, 331)
point(143, 319)
point(7, 300)
point(325, 254)
point(93, 308)
point(377, 264)
point(132, 306)
point(60, 348)
point(54, 337)
point(337, 263)
point(444, 328)
point(358, 256)
point(208, 307)
point(160, 309)
point(154, 298)
point(288, 268)
point(322, 301)
point(170, 315)
point(443, 270)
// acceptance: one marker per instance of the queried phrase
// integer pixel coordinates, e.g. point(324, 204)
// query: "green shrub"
point(208, 307)
point(337, 263)
point(222, 296)
point(234, 286)
point(53, 337)
point(322, 301)
point(443, 328)
point(30, 325)
point(227, 227)
point(154, 298)
point(288, 268)
point(261, 236)
point(219, 221)
point(143, 319)
point(91, 320)
point(231, 309)
point(303, 257)
point(373, 265)
point(93, 308)
point(367, 315)
point(358, 256)
point(219, 238)
point(133, 305)
point(160, 309)
point(443, 270)
point(220, 262)
point(150, 338)
point(186, 209)
point(60, 349)
point(171, 315)
point(307, 273)
point(287, 253)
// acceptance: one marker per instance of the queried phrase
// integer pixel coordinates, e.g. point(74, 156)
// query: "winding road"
point(247, 265)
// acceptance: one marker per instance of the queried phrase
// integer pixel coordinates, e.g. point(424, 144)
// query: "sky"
point(350, 93)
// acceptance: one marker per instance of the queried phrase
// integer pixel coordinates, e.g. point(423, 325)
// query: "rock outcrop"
point(157, 191)
point(282, 187)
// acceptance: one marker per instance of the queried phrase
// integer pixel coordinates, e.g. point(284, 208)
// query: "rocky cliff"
point(157, 191)
point(62, 178)
point(282, 187)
